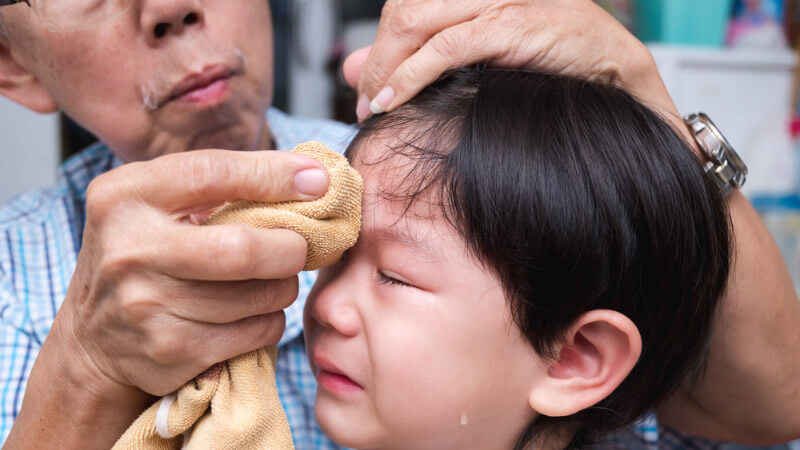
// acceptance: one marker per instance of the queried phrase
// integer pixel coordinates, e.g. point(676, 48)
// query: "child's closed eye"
point(391, 279)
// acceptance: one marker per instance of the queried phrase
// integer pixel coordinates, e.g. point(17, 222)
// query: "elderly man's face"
point(166, 76)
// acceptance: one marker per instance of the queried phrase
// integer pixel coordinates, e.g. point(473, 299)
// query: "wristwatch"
point(724, 164)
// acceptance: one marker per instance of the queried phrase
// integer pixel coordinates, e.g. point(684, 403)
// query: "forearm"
point(639, 76)
point(750, 390)
point(64, 408)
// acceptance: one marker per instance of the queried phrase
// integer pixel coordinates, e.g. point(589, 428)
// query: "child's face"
point(410, 339)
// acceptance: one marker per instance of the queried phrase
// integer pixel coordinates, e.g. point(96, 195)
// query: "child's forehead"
point(383, 163)
point(424, 238)
point(397, 197)
point(373, 148)
point(398, 202)
point(413, 141)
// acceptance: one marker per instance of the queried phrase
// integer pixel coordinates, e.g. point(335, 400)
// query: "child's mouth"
point(337, 382)
point(332, 378)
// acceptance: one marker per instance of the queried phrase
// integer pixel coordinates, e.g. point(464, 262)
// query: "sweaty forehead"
point(396, 205)
point(397, 183)
point(423, 240)
point(393, 199)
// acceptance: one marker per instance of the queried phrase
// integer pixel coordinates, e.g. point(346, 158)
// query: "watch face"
point(713, 128)
point(726, 146)
point(724, 164)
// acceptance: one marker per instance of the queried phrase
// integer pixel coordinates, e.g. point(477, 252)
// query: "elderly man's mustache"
point(198, 62)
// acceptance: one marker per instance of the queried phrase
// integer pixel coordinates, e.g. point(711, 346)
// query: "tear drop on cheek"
point(464, 419)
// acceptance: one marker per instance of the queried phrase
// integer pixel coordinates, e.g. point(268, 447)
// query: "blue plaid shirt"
point(40, 236)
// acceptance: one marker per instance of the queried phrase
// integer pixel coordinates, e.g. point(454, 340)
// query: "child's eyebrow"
point(407, 236)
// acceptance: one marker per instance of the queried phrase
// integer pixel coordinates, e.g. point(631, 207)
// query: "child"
point(539, 264)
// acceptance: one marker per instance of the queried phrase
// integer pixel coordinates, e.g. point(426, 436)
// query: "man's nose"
point(162, 18)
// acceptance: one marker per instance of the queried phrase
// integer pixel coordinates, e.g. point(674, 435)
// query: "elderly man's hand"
point(418, 40)
point(156, 299)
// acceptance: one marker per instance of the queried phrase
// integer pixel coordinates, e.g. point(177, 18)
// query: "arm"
point(751, 389)
point(750, 393)
point(155, 300)
point(68, 405)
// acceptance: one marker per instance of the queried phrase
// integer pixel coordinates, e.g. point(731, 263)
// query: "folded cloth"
point(235, 404)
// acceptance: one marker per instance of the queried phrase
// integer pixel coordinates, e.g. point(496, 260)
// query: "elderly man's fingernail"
point(362, 108)
point(311, 182)
point(382, 100)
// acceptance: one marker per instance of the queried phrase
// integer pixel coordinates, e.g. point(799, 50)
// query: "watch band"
point(724, 164)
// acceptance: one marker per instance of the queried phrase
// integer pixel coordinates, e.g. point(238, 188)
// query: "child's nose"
point(334, 306)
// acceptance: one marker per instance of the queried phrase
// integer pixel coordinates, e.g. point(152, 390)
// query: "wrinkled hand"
point(155, 299)
point(418, 40)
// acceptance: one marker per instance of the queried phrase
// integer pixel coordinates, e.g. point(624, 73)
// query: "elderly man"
point(106, 282)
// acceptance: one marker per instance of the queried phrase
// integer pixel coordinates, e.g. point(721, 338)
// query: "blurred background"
point(736, 60)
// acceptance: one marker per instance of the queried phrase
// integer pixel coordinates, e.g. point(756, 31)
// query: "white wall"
point(748, 94)
point(29, 149)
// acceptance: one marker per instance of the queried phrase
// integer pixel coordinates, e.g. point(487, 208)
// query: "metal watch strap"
point(724, 164)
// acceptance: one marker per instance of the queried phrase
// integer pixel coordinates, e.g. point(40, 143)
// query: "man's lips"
point(333, 379)
point(208, 86)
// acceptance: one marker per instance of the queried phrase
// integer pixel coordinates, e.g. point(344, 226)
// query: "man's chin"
point(226, 141)
point(223, 140)
point(221, 133)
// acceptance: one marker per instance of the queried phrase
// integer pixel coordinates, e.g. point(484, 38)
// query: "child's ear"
point(599, 351)
point(21, 86)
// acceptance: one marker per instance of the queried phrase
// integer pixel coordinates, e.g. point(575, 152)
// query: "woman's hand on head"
point(418, 40)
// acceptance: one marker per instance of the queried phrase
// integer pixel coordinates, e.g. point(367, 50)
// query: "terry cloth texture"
point(330, 224)
point(235, 404)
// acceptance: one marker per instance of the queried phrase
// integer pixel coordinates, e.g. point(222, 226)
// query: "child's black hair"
point(578, 197)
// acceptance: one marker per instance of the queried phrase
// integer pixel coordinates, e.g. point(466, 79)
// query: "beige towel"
point(235, 404)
